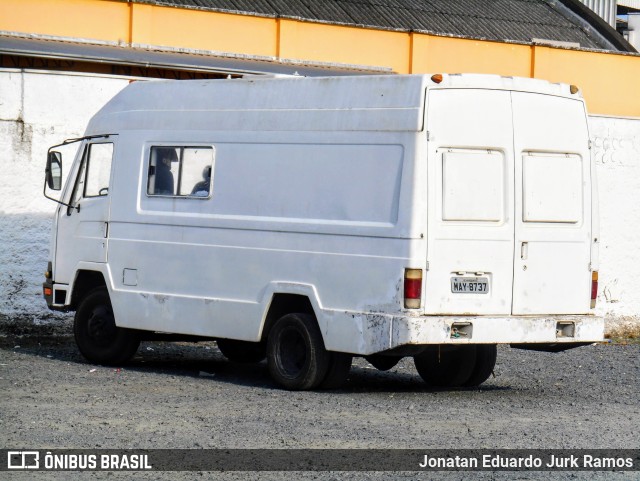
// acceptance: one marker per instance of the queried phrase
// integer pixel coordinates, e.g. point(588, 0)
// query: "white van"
point(310, 220)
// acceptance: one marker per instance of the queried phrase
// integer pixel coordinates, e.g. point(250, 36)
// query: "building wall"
point(608, 80)
point(605, 8)
point(616, 147)
point(38, 110)
point(634, 30)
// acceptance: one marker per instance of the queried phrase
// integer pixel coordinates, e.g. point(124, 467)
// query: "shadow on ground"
point(205, 360)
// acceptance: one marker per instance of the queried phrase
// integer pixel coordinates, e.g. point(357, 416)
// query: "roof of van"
point(383, 102)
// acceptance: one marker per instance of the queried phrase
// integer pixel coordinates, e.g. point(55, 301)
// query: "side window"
point(95, 171)
point(98, 170)
point(180, 171)
point(163, 171)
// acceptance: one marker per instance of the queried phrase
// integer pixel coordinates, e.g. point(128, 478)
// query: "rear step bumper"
point(496, 330)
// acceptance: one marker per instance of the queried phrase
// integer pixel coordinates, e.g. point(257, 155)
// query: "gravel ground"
point(189, 396)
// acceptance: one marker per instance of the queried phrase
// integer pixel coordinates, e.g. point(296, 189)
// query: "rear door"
point(553, 205)
point(470, 202)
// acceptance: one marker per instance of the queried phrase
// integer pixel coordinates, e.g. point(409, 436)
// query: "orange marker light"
point(594, 288)
point(436, 78)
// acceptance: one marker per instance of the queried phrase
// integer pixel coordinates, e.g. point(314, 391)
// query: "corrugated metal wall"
point(605, 8)
point(630, 3)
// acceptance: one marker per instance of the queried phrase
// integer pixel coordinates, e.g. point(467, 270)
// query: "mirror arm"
point(66, 142)
point(44, 192)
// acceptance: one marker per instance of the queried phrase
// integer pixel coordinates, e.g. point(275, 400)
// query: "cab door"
point(553, 205)
point(82, 229)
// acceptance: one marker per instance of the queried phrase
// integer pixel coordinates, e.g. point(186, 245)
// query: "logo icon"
point(23, 460)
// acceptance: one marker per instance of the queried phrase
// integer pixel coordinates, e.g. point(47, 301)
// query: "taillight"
point(412, 288)
point(594, 288)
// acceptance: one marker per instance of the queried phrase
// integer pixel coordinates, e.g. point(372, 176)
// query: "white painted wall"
point(616, 147)
point(39, 109)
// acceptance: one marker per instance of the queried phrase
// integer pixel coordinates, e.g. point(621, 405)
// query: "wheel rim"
point(292, 353)
point(101, 327)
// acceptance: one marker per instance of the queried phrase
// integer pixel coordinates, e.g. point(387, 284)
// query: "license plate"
point(470, 285)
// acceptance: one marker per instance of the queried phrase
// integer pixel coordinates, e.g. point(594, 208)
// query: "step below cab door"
point(470, 202)
point(553, 205)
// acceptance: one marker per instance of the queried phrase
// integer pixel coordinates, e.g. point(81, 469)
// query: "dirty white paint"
point(39, 109)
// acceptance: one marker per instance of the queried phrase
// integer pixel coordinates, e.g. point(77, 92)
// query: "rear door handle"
point(524, 251)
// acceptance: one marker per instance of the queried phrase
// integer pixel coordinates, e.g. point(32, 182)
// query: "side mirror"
point(53, 171)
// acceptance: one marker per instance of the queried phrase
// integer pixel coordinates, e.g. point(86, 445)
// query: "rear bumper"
point(496, 330)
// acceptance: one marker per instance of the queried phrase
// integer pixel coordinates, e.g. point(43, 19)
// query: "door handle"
point(524, 251)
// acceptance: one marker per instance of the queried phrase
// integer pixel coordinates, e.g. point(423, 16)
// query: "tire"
point(242, 351)
point(339, 367)
point(485, 363)
point(383, 363)
point(296, 356)
point(446, 366)
point(97, 336)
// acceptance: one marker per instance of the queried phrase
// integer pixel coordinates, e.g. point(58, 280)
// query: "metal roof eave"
point(173, 59)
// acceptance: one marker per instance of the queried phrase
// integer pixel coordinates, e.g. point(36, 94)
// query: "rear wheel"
point(446, 366)
point(242, 351)
point(383, 363)
point(339, 367)
point(96, 333)
point(485, 362)
point(296, 355)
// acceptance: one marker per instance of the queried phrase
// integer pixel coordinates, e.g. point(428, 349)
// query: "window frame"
point(182, 146)
point(87, 168)
point(82, 172)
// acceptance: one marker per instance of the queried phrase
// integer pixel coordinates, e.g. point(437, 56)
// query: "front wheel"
point(97, 336)
point(296, 356)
